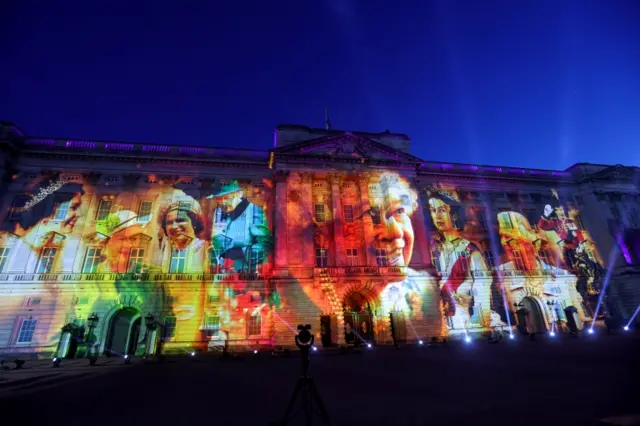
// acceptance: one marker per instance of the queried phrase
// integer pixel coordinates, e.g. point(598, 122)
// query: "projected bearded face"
point(179, 228)
point(229, 202)
point(394, 232)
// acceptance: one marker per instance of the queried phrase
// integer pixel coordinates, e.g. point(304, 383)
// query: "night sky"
point(544, 83)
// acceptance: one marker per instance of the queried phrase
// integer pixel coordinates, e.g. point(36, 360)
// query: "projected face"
point(517, 238)
point(179, 229)
point(440, 214)
point(71, 218)
point(394, 232)
point(229, 202)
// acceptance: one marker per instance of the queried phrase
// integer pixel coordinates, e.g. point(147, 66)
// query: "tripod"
point(311, 400)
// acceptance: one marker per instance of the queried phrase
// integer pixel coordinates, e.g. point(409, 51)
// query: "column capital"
point(336, 179)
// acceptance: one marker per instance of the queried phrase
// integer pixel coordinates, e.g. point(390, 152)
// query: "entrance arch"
point(536, 322)
point(124, 332)
point(358, 321)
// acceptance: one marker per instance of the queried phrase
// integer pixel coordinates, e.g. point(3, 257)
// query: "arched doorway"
point(358, 322)
point(124, 332)
point(534, 317)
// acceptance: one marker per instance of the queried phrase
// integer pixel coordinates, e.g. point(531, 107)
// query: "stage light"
point(126, 356)
point(255, 351)
point(626, 328)
point(467, 339)
point(590, 331)
point(511, 336)
point(56, 362)
point(193, 354)
point(552, 334)
point(369, 345)
point(420, 342)
point(127, 360)
point(314, 348)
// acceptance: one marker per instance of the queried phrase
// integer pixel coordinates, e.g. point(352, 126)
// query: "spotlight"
point(552, 334)
point(255, 351)
point(314, 348)
point(467, 339)
point(511, 336)
point(126, 357)
point(127, 360)
point(420, 342)
point(369, 345)
point(626, 328)
point(590, 331)
point(193, 354)
point(56, 362)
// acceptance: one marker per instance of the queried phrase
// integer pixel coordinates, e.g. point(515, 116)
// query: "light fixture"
point(255, 351)
point(552, 334)
point(315, 348)
point(626, 328)
point(193, 354)
point(369, 345)
point(511, 336)
point(590, 331)
point(467, 339)
point(56, 362)
point(420, 342)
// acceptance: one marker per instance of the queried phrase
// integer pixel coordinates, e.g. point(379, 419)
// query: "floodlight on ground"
point(626, 328)
point(420, 342)
point(552, 334)
point(92, 360)
point(193, 354)
point(467, 339)
point(369, 345)
point(255, 351)
point(315, 348)
point(512, 336)
point(56, 362)
point(127, 359)
point(590, 330)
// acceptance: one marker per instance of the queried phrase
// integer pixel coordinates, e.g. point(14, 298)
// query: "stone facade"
point(137, 248)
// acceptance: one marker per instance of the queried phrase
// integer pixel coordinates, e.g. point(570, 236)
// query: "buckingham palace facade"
point(115, 248)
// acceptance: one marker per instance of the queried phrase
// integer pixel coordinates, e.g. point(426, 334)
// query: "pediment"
point(615, 173)
point(346, 146)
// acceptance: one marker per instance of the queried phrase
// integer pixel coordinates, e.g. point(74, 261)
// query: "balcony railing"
point(74, 277)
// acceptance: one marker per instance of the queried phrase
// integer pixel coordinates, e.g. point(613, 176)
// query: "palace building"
point(124, 248)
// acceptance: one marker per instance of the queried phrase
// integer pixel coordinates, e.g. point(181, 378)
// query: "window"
point(136, 260)
point(17, 207)
point(490, 259)
point(178, 260)
point(104, 208)
point(4, 255)
point(455, 217)
point(144, 211)
point(506, 219)
point(257, 258)
point(185, 206)
point(381, 257)
point(482, 223)
point(169, 328)
point(517, 259)
point(218, 216)
point(212, 325)
point(322, 257)
point(214, 298)
point(92, 260)
point(254, 325)
point(62, 209)
point(435, 259)
point(348, 213)
point(111, 179)
point(45, 262)
point(352, 257)
point(319, 209)
point(258, 216)
point(544, 258)
point(27, 327)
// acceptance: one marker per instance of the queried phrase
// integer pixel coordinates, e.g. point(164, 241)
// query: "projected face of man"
point(179, 229)
point(394, 233)
point(229, 202)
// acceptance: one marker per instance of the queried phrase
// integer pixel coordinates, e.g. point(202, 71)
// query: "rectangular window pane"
point(144, 211)
point(212, 325)
point(27, 327)
point(4, 255)
point(104, 208)
point(381, 257)
point(322, 259)
point(17, 207)
point(62, 209)
point(255, 325)
point(45, 262)
point(178, 260)
point(319, 210)
point(348, 213)
point(136, 260)
point(92, 260)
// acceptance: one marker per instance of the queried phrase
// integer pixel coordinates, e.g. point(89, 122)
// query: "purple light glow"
point(624, 248)
point(156, 148)
point(43, 142)
point(80, 144)
point(446, 165)
point(121, 146)
point(191, 150)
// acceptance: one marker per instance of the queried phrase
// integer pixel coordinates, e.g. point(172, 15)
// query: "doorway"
point(358, 321)
point(535, 317)
point(124, 333)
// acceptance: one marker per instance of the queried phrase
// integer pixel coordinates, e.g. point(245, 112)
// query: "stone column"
point(366, 219)
point(338, 224)
point(306, 191)
point(421, 235)
point(280, 220)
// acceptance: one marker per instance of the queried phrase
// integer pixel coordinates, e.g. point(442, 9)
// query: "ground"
point(552, 382)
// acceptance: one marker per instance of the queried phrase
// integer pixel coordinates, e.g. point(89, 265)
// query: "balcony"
point(114, 277)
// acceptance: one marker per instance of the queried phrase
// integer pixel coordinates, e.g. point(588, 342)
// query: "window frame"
point(52, 260)
point(87, 257)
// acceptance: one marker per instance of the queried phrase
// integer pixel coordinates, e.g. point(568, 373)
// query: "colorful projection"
point(193, 258)
point(100, 263)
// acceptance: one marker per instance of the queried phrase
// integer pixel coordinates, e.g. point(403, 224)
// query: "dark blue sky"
point(542, 83)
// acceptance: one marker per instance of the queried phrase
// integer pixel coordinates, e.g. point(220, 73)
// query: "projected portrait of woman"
point(466, 302)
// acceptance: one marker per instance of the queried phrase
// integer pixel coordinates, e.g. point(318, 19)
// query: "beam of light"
point(605, 284)
point(415, 333)
point(635, 314)
point(293, 330)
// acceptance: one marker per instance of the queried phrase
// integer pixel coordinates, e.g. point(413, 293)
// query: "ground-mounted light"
point(626, 328)
point(255, 351)
point(590, 331)
point(467, 339)
point(369, 345)
point(420, 342)
point(552, 334)
point(193, 354)
point(512, 336)
point(127, 360)
point(56, 362)
point(315, 348)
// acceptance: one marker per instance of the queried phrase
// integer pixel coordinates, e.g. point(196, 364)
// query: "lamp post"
point(92, 323)
point(152, 325)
